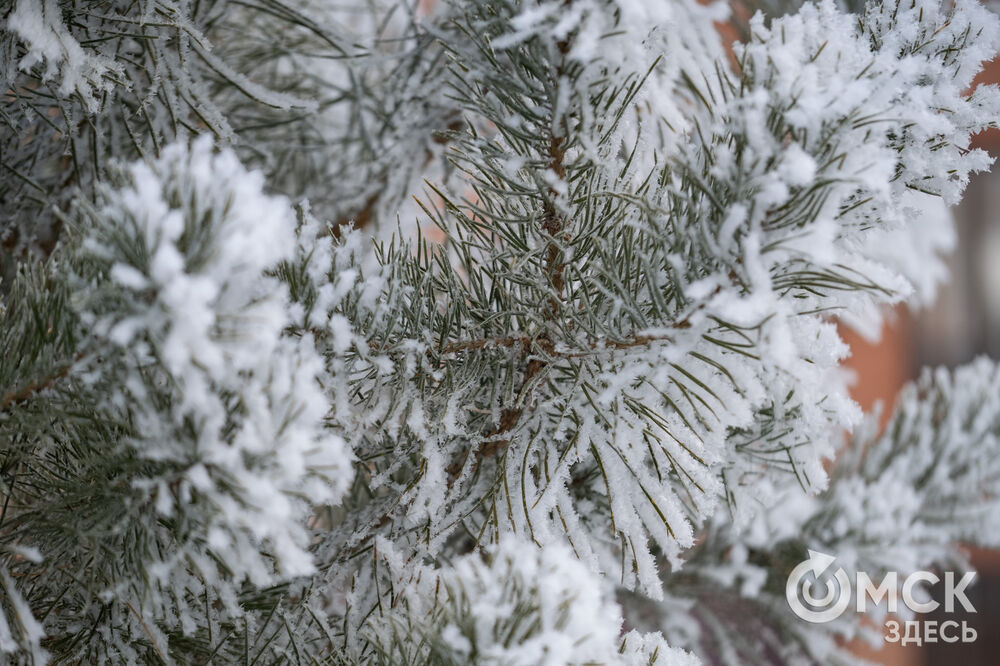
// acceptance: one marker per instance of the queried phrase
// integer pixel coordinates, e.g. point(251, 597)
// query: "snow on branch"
point(174, 285)
point(512, 604)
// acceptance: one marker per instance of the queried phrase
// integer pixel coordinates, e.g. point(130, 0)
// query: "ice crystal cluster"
point(522, 605)
point(473, 331)
point(210, 385)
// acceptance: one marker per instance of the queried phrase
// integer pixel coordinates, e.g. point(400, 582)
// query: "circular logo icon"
point(804, 600)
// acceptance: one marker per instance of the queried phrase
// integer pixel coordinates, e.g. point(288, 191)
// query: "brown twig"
point(360, 219)
point(554, 226)
point(480, 343)
point(526, 342)
point(152, 639)
point(20, 395)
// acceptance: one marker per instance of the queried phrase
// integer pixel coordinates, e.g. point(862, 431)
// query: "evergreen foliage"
point(471, 331)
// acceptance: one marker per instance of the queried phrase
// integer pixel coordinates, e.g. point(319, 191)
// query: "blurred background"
point(963, 322)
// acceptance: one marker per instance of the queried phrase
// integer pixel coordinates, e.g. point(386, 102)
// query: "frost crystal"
point(227, 407)
point(606, 367)
point(515, 604)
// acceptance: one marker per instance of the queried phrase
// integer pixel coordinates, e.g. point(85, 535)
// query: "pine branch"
point(15, 397)
point(285, 444)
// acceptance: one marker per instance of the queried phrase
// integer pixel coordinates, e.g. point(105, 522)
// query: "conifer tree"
point(473, 331)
